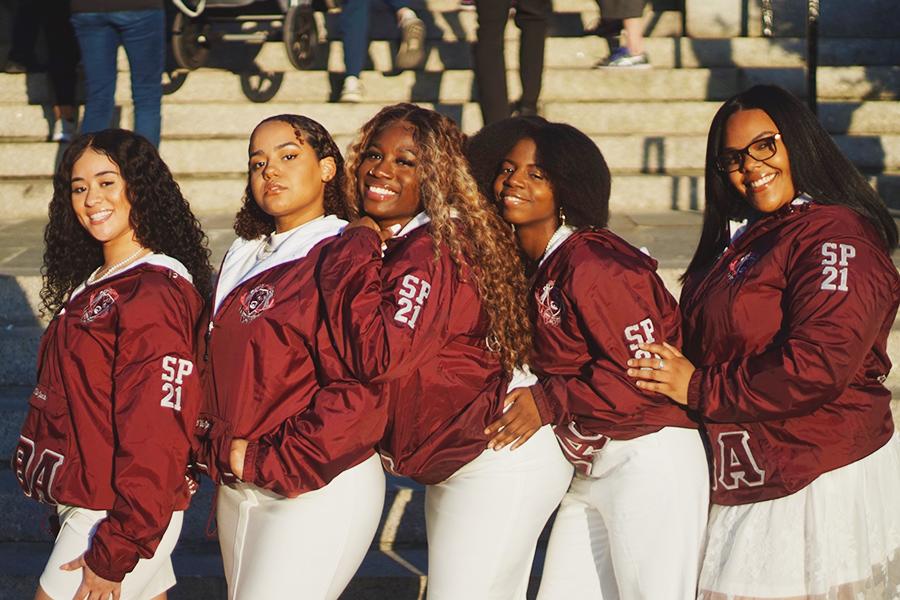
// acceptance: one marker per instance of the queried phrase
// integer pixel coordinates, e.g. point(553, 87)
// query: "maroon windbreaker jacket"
point(110, 421)
point(272, 376)
point(417, 324)
point(594, 299)
point(788, 330)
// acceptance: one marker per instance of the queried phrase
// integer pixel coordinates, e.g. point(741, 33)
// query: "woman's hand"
point(368, 222)
point(93, 587)
point(669, 375)
point(236, 456)
point(518, 423)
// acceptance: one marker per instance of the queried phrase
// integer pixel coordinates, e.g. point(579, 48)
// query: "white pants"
point(149, 578)
point(635, 528)
point(483, 521)
point(276, 548)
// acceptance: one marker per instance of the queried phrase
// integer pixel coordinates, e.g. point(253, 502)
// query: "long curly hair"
point(818, 168)
point(160, 216)
point(252, 222)
point(462, 218)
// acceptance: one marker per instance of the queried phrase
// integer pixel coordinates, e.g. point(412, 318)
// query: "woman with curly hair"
point(285, 430)
point(436, 317)
point(788, 304)
point(108, 432)
point(633, 521)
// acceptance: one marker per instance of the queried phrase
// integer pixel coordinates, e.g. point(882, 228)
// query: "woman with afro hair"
point(285, 431)
point(424, 295)
point(633, 521)
point(108, 431)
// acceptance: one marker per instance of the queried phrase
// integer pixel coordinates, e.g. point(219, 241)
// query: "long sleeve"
point(155, 403)
point(385, 319)
point(337, 431)
point(607, 309)
point(839, 291)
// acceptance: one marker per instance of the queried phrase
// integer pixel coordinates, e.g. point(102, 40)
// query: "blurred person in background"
point(140, 27)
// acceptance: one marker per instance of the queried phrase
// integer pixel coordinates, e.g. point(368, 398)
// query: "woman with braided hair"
point(423, 296)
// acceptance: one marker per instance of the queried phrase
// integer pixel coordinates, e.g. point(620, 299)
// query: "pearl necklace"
point(116, 267)
point(560, 232)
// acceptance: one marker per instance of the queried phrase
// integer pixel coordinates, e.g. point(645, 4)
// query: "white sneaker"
point(352, 91)
point(64, 130)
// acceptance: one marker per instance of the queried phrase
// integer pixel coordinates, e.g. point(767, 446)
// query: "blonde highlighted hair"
point(462, 219)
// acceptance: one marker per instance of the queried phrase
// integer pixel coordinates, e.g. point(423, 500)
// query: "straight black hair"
point(818, 169)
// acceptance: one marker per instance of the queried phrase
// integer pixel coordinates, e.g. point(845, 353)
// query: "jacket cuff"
point(364, 236)
point(102, 567)
point(695, 387)
point(250, 455)
point(544, 405)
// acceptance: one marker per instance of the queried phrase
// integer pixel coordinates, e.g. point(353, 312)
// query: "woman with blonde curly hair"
point(423, 294)
point(285, 431)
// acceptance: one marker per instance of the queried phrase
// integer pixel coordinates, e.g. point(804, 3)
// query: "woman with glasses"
point(787, 305)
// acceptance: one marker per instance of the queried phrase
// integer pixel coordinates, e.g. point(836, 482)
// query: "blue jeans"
point(143, 34)
point(355, 31)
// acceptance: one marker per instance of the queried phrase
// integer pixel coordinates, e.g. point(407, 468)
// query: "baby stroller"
point(199, 24)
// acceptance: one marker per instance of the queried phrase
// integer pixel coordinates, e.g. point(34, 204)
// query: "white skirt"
point(839, 537)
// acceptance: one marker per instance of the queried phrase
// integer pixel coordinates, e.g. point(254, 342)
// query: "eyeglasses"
point(762, 149)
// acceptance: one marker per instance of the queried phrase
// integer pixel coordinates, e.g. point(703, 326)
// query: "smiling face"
point(100, 201)
point(767, 184)
point(523, 190)
point(286, 177)
point(387, 180)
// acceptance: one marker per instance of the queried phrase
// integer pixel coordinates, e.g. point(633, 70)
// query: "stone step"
point(209, 86)
point(402, 521)
point(397, 574)
point(625, 154)
point(27, 198)
point(236, 121)
point(664, 52)
point(448, 23)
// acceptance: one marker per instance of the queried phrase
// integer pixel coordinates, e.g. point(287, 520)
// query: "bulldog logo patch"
point(100, 303)
point(738, 267)
point(256, 301)
point(549, 304)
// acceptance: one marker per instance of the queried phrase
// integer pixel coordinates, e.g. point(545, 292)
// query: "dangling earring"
point(562, 217)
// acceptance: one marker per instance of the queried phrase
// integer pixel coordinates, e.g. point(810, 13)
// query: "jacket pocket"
point(42, 453)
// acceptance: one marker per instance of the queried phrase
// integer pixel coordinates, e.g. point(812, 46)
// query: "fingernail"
point(630, 362)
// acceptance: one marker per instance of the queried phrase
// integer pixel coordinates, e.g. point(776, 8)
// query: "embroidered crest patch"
point(549, 304)
point(739, 266)
point(256, 301)
point(100, 303)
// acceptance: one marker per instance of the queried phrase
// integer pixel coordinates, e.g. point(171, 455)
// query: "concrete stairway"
point(650, 124)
